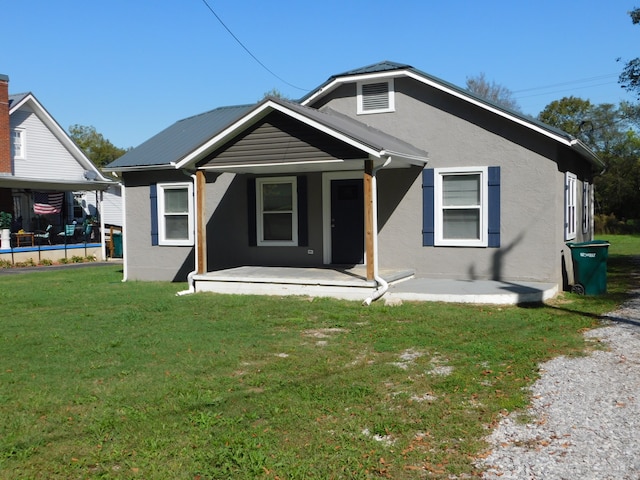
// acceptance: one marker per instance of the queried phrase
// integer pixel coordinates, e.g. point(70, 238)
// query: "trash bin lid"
point(592, 243)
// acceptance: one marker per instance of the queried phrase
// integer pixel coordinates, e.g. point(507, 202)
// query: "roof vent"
point(375, 97)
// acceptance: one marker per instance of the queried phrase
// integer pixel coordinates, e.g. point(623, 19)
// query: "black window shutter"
point(303, 217)
point(494, 207)
point(427, 207)
point(153, 201)
point(251, 212)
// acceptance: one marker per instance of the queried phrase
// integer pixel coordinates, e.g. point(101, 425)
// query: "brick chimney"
point(5, 129)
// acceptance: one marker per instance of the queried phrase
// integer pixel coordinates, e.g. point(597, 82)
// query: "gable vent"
point(375, 96)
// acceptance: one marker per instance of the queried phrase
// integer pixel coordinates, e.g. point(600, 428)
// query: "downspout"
point(103, 234)
point(191, 274)
point(124, 233)
point(383, 286)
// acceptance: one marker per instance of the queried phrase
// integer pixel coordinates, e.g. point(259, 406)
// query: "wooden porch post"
point(201, 224)
point(368, 218)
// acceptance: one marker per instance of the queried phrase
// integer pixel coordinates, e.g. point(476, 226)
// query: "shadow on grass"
point(623, 279)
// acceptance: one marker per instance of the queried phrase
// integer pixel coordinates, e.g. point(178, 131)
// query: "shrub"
point(5, 264)
point(610, 225)
point(27, 263)
point(46, 262)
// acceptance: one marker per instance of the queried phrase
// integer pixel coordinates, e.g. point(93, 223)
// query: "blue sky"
point(131, 68)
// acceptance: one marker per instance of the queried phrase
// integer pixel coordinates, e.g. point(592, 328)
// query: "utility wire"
point(249, 51)
point(571, 82)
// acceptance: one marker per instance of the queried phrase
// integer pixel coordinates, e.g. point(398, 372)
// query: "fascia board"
point(223, 136)
point(141, 168)
point(368, 149)
point(350, 79)
point(478, 103)
point(259, 113)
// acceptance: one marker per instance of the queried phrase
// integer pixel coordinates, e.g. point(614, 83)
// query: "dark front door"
point(347, 222)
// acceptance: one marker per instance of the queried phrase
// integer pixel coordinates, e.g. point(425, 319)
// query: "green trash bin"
point(117, 245)
point(589, 267)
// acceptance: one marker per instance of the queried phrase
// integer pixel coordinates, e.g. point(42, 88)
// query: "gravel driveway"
point(585, 413)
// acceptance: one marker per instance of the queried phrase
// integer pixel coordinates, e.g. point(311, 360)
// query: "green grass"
point(104, 379)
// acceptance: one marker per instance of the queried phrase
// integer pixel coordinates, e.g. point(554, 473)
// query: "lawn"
point(104, 379)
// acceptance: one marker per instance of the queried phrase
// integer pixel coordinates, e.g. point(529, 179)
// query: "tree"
point(630, 76)
point(492, 91)
point(608, 130)
point(568, 114)
point(97, 148)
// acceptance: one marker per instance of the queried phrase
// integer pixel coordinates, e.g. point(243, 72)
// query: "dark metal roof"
point(181, 138)
point(16, 98)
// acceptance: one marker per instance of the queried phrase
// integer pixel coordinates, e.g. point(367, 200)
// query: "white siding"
point(45, 158)
point(112, 206)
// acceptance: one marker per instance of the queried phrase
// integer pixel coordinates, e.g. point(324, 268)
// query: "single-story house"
point(46, 181)
point(385, 169)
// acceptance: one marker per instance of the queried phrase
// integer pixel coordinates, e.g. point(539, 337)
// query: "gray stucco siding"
point(228, 227)
point(456, 134)
point(144, 260)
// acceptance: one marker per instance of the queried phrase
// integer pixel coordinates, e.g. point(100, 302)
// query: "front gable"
point(278, 139)
point(48, 159)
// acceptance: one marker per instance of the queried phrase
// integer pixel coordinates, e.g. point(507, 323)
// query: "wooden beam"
point(368, 218)
point(201, 223)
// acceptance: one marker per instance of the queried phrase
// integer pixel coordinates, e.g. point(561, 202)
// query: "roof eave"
point(10, 181)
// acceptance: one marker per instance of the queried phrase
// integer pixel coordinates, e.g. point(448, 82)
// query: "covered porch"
point(276, 149)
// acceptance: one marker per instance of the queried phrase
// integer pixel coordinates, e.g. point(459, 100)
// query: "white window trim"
point(162, 240)
point(23, 144)
point(586, 207)
point(570, 192)
point(261, 242)
point(391, 92)
point(483, 241)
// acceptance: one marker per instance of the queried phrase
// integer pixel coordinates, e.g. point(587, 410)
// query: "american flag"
point(47, 203)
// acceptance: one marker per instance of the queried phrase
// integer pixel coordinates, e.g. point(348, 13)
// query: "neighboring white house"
point(45, 178)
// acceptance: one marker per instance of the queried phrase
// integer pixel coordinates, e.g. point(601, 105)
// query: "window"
point(18, 144)
point(276, 211)
point(376, 97)
point(461, 213)
point(175, 214)
point(586, 207)
point(570, 182)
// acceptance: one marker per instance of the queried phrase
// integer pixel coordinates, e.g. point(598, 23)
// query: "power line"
point(560, 91)
point(249, 51)
point(571, 82)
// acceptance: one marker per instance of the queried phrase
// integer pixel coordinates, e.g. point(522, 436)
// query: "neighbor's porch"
point(54, 253)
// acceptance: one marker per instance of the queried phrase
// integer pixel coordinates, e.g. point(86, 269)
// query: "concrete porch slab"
point(343, 283)
point(351, 284)
point(472, 291)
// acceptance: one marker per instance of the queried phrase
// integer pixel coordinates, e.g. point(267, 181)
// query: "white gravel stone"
point(585, 413)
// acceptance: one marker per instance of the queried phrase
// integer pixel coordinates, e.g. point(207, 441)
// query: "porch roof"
point(34, 183)
point(373, 144)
